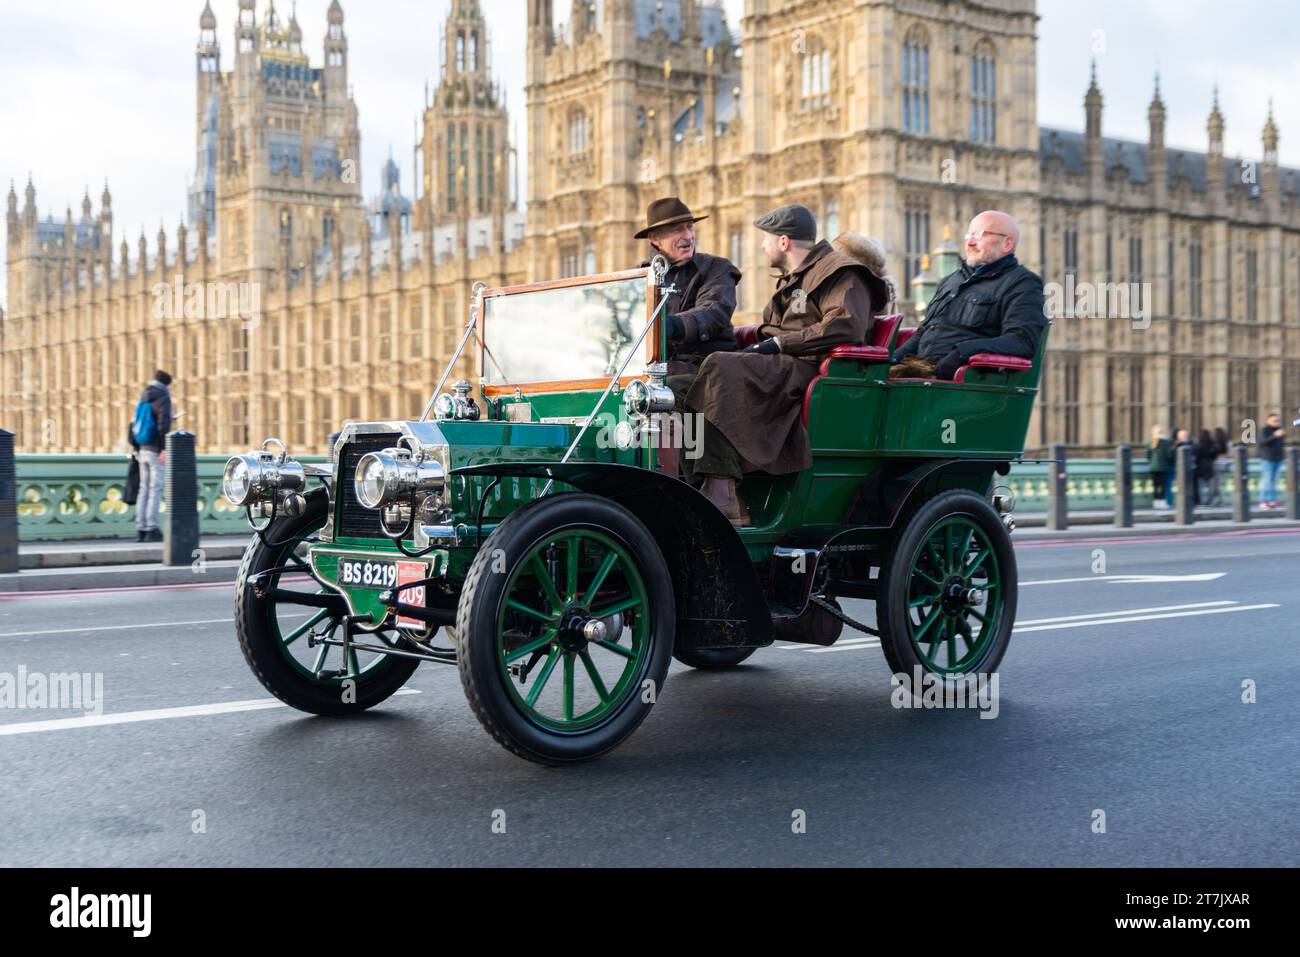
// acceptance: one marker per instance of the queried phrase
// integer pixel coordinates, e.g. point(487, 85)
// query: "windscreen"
point(562, 334)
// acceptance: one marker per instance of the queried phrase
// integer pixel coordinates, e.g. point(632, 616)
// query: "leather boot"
point(722, 493)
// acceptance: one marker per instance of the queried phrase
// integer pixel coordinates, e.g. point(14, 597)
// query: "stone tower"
point(464, 147)
point(278, 171)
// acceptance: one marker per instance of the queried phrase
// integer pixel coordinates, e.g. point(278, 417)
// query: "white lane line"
point(1129, 579)
point(1118, 621)
point(843, 646)
point(846, 641)
point(1125, 611)
point(158, 714)
point(143, 624)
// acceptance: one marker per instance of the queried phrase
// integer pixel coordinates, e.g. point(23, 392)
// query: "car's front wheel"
point(565, 627)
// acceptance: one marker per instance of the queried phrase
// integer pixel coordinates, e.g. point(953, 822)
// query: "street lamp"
point(947, 256)
point(923, 287)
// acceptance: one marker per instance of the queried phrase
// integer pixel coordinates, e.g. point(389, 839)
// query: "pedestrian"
point(1204, 454)
point(147, 434)
point(1222, 464)
point(1270, 451)
point(1161, 460)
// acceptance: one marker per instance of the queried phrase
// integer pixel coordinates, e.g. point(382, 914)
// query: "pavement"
point(1146, 716)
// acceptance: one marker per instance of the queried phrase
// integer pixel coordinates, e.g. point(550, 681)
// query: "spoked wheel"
point(274, 632)
point(565, 628)
point(713, 659)
point(948, 600)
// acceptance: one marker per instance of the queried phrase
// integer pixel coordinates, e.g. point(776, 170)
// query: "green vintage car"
point(533, 535)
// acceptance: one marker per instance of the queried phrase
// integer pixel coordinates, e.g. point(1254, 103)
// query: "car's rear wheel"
point(565, 628)
point(947, 601)
point(275, 633)
point(713, 659)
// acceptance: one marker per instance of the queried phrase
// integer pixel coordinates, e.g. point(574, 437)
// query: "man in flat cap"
point(697, 317)
point(752, 400)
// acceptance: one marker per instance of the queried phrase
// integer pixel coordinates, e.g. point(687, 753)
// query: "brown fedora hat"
point(667, 212)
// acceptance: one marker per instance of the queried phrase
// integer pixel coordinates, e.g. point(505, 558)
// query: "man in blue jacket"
point(147, 434)
point(991, 304)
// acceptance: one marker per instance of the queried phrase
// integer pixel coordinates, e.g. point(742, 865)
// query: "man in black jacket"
point(698, 315)
point(149, 455)
point(991, 304)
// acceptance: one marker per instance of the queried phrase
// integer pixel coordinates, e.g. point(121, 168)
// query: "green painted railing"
point(80, 496)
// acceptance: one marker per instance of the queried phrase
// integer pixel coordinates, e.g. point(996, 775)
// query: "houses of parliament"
point(896, 118)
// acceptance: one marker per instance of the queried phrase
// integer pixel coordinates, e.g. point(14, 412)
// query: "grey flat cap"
point(793, 220)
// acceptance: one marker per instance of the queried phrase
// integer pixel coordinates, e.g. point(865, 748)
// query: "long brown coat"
point(756, 400)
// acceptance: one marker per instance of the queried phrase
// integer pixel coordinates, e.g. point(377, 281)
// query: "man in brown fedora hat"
point(697, 317)
point(752, 400)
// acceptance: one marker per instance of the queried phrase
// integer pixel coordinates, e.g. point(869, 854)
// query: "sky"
point(91, 91)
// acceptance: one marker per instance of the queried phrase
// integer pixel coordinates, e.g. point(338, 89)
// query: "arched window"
point(916, 82)
point(983, 98)
point(286, 226)
point(460, 53)
point(815, 87)
point(451, 166)
point(579, 132)
point(473, 52)
point(463, 171)
point(832, 224)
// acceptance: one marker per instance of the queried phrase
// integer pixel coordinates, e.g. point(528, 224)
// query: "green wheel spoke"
point(320, 659)
point(547, 668)
point(933, 581)
point(617, 649)
point(601, 574)
point(935, 557)
point(947, 548)
point(548, 586)
point(964, 629)
point(624, 605)
point(530, 612)
point(528, 649)
point(572, 556)
point(594, 675)
point(979, 560)
point(927, 624)
point(354, 666)
point(981, 617)
point(965, 545)
point(923, 600)
point(568, 687)
point(305, 627)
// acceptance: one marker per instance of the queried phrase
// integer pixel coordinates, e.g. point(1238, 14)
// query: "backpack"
point(143, 427)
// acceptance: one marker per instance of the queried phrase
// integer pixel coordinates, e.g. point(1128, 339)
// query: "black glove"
point(673, 328)
point(948, 365)
point(768, 347)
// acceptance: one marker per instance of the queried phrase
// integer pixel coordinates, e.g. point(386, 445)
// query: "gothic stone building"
point(896, 118)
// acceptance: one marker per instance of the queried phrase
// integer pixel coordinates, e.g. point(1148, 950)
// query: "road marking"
point(1129, 579)
point(1075, 621)
point(1126, 611)
point(158, 714)
point(1117, 621)
point(146, 624)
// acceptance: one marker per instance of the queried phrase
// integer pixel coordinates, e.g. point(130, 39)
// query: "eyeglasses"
point(979, 234)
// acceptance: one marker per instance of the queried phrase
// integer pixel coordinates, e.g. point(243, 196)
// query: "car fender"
point(720, 599)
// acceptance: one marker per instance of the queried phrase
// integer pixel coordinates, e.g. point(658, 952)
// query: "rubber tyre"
point(259, 641)
point(713, 659)
point(891, 606)
point(480, 604)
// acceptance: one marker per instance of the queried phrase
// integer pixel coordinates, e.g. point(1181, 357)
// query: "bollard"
point(180, 522)
point(8, 505)
point(1240, 483)
point(1184, 490)
point(1057, 517)
point(1124, 487)
point(1292, 473)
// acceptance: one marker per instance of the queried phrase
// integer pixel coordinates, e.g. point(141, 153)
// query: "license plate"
point(411, 572)
point(362, 573)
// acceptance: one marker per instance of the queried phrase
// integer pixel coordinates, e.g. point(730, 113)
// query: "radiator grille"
point(353, 519)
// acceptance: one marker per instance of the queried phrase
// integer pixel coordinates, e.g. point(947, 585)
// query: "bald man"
point(991, 304)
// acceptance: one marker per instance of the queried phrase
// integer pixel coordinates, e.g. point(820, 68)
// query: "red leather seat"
point(876, 349)
point(995, 361)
